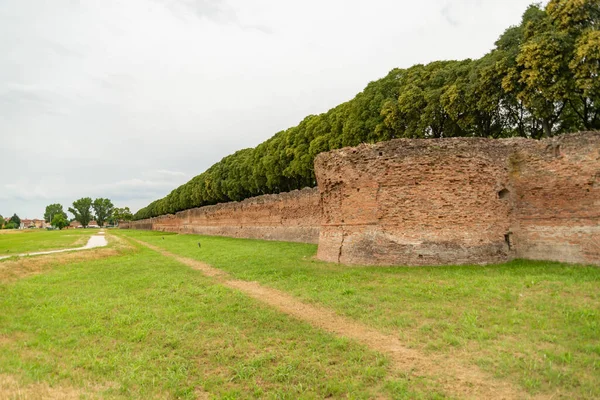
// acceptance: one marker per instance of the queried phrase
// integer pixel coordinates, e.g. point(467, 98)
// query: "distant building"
point(74, 225)
point(33, 224)
point(77, 224)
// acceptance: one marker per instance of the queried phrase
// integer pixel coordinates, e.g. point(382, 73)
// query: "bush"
point(11, 225)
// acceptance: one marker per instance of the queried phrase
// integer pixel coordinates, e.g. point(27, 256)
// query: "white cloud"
point(164, 172)
point(23, 192)
point(112, 95)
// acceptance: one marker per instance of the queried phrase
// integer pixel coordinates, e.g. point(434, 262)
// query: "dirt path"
point(98, 240)
point(457, 379)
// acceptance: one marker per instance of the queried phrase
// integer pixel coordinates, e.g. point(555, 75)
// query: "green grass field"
point(534, 323)
point(142, 325)
point(139, 325)
point(31, 240)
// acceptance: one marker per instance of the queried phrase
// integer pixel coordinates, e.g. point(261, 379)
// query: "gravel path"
point(98, 240)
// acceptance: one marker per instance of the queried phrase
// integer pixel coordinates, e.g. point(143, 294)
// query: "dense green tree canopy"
point(541, 79)
point(59, 221)
point(15, 220)
point(52, 210)
point(103, 209)
point(121, 214)
point(82, 210)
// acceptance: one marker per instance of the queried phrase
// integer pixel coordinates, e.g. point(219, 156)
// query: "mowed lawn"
point(31, 240)
point(536, 324)
point(141, 325)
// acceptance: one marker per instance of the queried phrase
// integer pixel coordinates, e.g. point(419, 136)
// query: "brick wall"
point(416, 202)
point(292, 217)
point(461, 201)
point(429, 202)
point(558, 202)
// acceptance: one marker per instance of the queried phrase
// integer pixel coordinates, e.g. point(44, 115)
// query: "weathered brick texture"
point(292, 217)
point(416, 202)
point(460, 201)
point(430, 202)
point(558, 201)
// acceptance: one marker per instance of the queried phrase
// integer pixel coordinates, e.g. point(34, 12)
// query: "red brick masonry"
point(430, 202)
point(291, 217)
point(460, 201)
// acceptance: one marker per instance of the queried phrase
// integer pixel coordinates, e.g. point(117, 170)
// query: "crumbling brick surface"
point(558, 202)
point(291, 217)
point(416, 202)
point(430, 202)
point(461, 201)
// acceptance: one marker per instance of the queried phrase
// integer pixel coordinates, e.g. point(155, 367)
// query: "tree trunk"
point(547, 126)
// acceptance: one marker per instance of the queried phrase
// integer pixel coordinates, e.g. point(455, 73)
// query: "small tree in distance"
point(11, 225)
point(59, 221)
point(16, 221)
point(121, 214)
point(52, 210)
point(82, 210)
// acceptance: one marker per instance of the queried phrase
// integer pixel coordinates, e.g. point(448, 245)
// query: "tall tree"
point(586, 69)
point(15, 220)
point(103, 209)
point(82, 210)
point(579, 21)
point(52, 210)
point(2, 221)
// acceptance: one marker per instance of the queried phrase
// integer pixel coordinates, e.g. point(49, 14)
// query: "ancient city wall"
point(292, 217)
point(460, 201)
point(429, 202)
point(558, 199)
point(416, 202)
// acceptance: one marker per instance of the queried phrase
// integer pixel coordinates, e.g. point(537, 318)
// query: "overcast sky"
point(129, 99)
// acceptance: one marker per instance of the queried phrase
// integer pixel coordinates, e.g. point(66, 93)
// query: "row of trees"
point(541, 79)
point(84, 210)
point(103, 211)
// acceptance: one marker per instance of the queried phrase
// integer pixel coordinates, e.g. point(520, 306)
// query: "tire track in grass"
point(457, 379)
